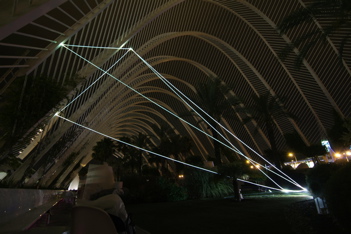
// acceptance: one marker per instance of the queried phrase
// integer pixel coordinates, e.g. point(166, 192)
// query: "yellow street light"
point(291, 155)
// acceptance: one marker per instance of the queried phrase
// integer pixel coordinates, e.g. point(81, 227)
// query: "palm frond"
point(335, 13)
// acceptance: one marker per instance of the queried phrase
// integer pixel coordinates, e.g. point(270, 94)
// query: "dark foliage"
point(338, 132)
point(103, 150)
point(152, 189)
point(214, 99)
point(201, 184)
point(266, 110)
point(318, 177)
point(303, 219)
point(338, 194)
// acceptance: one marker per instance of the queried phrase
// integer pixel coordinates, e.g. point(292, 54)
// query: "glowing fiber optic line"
point(270, 178)
point(234, 148)
point(98, 47)
point(287, 178)
point(142, 94)
point(249, 182)
point(145, 96)
point(169, 84)
point(210, 118)
point(253, 162)
point(165, 109)
point(156, 72)
point(176, 91)
point(294, 191)
point(148, 151)
point(104, 73)
point(151, 152)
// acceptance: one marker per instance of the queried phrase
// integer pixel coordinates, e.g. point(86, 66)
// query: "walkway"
point(252, 215)
point(58, 221)
point(255, 215)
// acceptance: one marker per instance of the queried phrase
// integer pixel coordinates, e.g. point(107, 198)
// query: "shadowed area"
point(253, 215)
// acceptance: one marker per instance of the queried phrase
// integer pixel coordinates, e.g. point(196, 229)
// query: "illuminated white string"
point(96, 47)
point(178, 93)
point(165, 157)
point(142, 95)
point(162, 78)
point(175, 90)
point(260, 185)
point(139, 148)
point(104, 73)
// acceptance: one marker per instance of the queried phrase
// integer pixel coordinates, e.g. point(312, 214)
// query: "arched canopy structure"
point(187, 42)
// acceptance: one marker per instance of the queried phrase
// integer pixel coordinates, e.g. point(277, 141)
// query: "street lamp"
point(291, 155)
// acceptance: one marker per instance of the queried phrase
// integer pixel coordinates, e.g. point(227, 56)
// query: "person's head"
point(99, 179)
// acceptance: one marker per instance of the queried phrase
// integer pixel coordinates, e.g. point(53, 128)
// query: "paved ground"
point(252, 215)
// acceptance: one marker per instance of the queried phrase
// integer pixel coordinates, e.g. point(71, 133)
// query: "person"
point(100, 190)
point(112, 203)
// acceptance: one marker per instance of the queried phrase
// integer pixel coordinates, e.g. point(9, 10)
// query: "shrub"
point(152, 189)
point(201, 184)
point(160, 189)
point(150, 171)
point(338, 194)
point(318, 177)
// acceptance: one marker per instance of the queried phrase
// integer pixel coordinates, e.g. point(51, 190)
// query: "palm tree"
point(140, 140)
point(336, 16)
point(127, 152)
point(104, 150)
point(162, 146)
point(346, 136)
point(265, 110)
point(179, 145)
point(213, 98)
point(235, 170)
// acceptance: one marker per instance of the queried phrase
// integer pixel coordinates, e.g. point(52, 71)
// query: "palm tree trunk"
point(217, 151)
point(140, 162)
point(270, 132)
